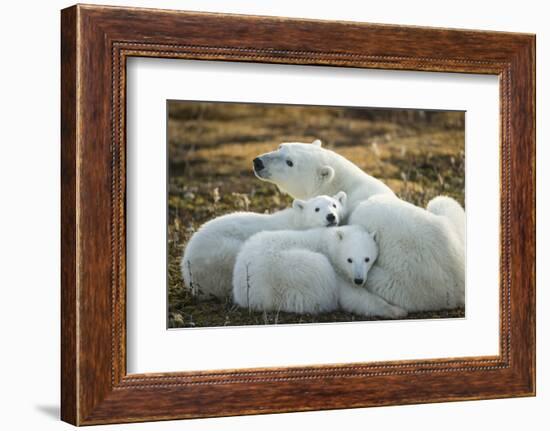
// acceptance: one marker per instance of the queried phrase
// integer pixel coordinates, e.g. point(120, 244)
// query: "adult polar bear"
point(421, 262)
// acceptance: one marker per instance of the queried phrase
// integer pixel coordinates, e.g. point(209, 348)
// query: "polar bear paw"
point(395, 312)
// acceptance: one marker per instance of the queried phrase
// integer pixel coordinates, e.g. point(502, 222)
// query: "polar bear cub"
point(209, 258)
point(311, 271)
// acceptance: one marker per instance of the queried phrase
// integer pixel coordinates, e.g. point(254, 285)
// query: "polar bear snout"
point(358, 281)
point(258, 164)
point(332, 218)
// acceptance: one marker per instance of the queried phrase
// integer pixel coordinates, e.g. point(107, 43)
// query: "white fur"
point(309, 272)
point(445, 206)
point(315, 171)
point(421, 262)
point(209, 257)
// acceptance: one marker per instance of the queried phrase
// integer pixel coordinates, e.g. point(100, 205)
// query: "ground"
point(419, 154)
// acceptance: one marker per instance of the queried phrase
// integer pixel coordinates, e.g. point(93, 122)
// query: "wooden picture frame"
point(96, 41)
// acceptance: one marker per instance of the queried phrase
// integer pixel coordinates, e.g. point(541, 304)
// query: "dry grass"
point(211, 146)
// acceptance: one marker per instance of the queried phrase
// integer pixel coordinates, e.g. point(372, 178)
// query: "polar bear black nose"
point(330, 217)
point(358, 281)
point(258, 164)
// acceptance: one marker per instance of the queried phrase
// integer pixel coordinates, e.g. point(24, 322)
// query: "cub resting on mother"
point(421, 260)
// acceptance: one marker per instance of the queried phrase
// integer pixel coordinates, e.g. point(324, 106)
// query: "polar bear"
point(421, 263)
point(311, 271)
point(307, 170)
point(209, 257)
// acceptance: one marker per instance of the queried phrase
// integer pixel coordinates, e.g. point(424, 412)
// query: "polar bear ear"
point(317, 143)
point(340, 234)
point(375, 236)
point(326, 173)
point(341, 197)
point(298, 204)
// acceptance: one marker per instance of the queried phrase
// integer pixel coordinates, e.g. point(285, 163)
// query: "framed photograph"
point(266, 215)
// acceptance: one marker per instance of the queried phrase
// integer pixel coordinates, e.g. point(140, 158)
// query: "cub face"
point(298, 169)
point(320, 211)
point(355, 252)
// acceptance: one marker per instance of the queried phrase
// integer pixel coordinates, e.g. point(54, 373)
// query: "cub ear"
point(326, 173)
point(298, 204)
point(317, 142)
point(341, 197)
point(340, 234)
point(375, 236)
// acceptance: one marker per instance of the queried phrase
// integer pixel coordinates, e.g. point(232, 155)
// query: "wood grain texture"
point(69, 397)
point(96, 41)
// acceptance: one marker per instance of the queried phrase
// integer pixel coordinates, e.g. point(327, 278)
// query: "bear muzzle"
point(258, 164)
point(331, 219)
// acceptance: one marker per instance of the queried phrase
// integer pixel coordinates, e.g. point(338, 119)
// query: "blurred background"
point(418, 153)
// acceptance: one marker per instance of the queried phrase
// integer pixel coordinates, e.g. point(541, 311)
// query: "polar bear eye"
point(289, 163)
point(316, 210)
point(350, 260)
point(367, 259)
point(334, 205)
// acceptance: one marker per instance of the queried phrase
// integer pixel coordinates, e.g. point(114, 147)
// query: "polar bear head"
point(301, 170)
point(353, 252)
point(320, 211)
